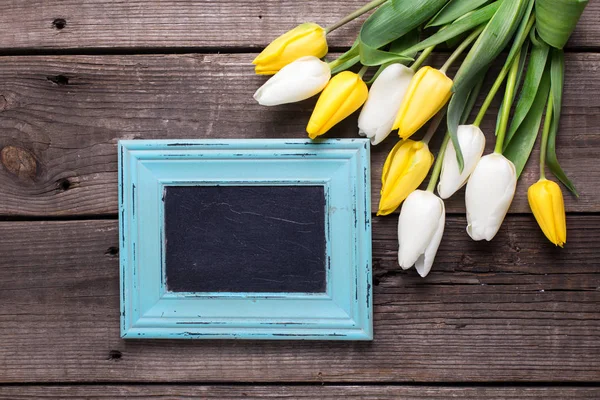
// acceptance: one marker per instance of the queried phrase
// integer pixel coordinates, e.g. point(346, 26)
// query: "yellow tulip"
point(546, 202)
point(304, 40)
point(405, 168)
point(343, 95)
point(429, 91)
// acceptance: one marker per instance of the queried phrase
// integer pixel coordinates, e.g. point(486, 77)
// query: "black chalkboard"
point(245, 239)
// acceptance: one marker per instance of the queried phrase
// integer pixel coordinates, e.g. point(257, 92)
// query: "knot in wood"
point(59, 23)
point(19, 162)
point(59, 80)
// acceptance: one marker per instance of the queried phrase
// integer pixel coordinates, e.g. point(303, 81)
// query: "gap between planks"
point(133, 51)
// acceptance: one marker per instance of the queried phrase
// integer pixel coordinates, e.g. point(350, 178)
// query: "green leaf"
point(454, 10)
point(373, 57)
point(391, 21)
point(459, 27)
point(455, 41)
point(399, 46)
point(557, 76)
point(556, 19)
point(537, 65)
point(494, 38)
point(498, 32)
point(522, 61)
point(455, 110)
point(522, 33)
point(472, 98)
point(402, 44)
point(520, 147)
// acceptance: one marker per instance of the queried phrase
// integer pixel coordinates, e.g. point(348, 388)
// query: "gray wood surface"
point(61, 137)
point(515, 310)
point(35, 24)
point(512, 319)
point(229, 392)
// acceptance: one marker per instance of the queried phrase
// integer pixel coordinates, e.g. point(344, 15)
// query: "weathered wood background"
point(515, 318)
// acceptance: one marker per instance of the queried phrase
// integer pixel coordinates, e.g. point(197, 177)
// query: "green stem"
point(422, 57)
point(333, 64)
point(362, 71)
point(490, 97)
point(511, 83)
point(437, 168)
point(545, 133)
point(364, 9)
point(500, 79)
point(474, 35)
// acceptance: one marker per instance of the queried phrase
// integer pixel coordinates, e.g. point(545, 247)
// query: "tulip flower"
point(490, 191)
point(546, 202)
point(472, 144)
point(304, 40)
point(379, 112)
point(428, 92)
point(343, 95)
point(404, 170)
point(420, 230)
point(297, 81)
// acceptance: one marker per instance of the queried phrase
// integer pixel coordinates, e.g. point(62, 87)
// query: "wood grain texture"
point(61, 118)
point(516, 309)
point(228, 392)
point(76, 24)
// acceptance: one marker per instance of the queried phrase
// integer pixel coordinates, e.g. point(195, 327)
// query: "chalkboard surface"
point(245, 239)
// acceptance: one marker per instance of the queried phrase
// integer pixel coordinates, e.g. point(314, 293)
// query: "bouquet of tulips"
point(405, 96)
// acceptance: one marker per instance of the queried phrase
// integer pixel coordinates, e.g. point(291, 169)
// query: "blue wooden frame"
point(148, 310)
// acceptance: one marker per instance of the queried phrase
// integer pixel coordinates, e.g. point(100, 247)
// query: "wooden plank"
point(228, 392)
point(76, 24)
point(61, 118)
point(516, 309)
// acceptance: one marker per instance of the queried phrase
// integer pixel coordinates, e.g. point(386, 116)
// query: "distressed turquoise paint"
point(148, 310)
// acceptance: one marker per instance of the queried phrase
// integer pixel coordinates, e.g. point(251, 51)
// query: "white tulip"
point(297, 81)
point(472, 143)
point(379, 112)
point(420, 230)
point(490, 191)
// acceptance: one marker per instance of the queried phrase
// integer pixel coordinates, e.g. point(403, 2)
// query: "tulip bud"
point(429, 91)
point(472, 144)
point(297, 81)
point(490, 191)
point(546, 202)
point(404, 170)
point(343, 95)
point(420, 230)
point(304, 40)
point(379, 112)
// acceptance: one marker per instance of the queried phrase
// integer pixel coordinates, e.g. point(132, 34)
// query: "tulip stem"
point(364, 9)
point(462, 47)
point(511, 84)
point(437, 168)
point(488, 100)
point(362, 71)
point(499, 80)
point(545, 133)
point(339, 61)
point(422, 57)
point(434, 125)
